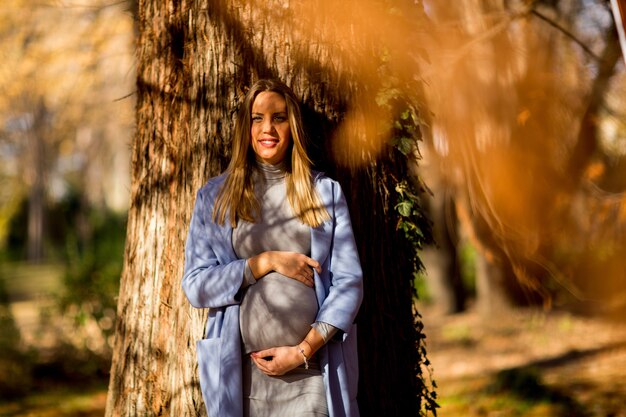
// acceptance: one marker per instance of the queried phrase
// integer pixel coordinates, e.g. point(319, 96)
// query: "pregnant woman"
point(271, 253)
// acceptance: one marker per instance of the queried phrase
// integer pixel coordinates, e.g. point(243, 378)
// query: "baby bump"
point(276, 311)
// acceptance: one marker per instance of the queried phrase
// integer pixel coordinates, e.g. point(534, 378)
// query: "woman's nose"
point(268, 126)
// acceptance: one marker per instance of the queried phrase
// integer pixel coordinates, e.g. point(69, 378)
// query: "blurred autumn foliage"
point(528, 141)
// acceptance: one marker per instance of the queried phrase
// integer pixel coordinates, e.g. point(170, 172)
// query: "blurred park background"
point(523, 149)
point(66, 123)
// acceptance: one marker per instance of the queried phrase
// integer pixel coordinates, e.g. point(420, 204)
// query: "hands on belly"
point(280, 360)
point(290, 264)
point(277, 361)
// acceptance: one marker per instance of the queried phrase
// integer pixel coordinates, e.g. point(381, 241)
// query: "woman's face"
point(270, 133)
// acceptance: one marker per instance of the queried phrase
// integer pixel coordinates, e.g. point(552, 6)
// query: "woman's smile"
point(269, 142)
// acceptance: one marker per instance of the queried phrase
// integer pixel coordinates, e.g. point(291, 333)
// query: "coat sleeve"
point(346, 277)
point(207, 283)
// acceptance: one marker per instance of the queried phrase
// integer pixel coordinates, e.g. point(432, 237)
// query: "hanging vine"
point(404, 133)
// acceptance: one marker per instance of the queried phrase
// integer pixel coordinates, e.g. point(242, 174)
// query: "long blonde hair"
point(236, 197)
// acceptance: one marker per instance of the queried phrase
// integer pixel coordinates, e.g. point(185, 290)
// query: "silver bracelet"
point(306, 363)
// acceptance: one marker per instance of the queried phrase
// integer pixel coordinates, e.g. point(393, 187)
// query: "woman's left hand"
point(277, 361)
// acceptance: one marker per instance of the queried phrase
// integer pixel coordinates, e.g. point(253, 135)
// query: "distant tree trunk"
point(36, 176)
point(36, 201)
point(492, 290)
point(194, 61)
point(497, 287)
point(441, 260)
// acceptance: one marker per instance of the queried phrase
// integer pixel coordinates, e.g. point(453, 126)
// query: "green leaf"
point(405, 145)
point(404, 208)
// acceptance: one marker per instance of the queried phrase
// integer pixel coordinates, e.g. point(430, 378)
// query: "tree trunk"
point(441, 260)
point(443, 271)
point(36, 175)
point(492, 293)
point(195, 58)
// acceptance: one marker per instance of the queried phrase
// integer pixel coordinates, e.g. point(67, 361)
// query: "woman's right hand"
point(290, 264)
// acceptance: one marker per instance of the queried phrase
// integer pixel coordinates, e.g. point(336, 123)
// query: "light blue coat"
point(213, 277)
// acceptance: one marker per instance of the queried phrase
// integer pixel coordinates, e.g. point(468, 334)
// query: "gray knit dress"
point(276, 310)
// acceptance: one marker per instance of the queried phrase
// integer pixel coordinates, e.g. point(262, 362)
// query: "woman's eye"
point(257, 119)
point(280, 118)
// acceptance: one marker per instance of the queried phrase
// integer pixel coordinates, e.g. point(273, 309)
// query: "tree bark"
point(195, 58)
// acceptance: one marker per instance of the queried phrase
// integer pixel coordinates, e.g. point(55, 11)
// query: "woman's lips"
point(268, 143)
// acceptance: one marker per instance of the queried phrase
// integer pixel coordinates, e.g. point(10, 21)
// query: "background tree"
point(63, 122)
point(195, 59)
point(518, 90)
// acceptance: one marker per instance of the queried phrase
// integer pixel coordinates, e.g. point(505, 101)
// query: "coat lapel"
point(320, 241)
point(321, 236)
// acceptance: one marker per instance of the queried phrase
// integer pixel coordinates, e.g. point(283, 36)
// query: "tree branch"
point(565, 32)
point(588, 134)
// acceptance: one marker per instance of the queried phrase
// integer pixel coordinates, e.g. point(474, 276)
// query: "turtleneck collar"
point(271, 172)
